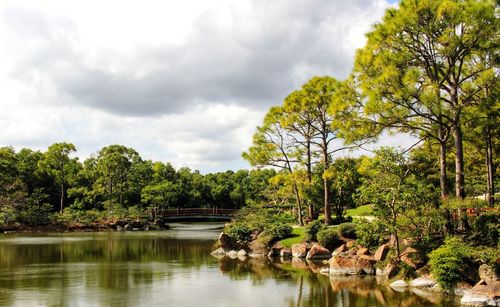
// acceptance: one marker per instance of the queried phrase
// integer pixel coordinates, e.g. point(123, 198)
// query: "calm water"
point(170, 268)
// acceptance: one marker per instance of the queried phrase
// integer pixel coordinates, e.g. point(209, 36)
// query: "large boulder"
point(286, 252)
point(422, 282)
point(258, 248)
point(381, 253)
point(412, 257)
point(389, 271)
point(362, 251)
point(275, 249)
point(299, 250)
point(351, 265)
point(318, 252)
point(482, 295)
point(398, 284)
point(342, 248)
point(488, 274)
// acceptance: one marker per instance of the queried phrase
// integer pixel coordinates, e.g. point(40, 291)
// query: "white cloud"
point(185, 82)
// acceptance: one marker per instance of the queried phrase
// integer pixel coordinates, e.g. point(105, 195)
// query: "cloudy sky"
point(181, 81)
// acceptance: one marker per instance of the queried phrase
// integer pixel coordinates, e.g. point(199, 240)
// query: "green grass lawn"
point(298, 236)
point(360, 211)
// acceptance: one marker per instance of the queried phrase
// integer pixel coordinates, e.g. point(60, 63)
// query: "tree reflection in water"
point(314, 289)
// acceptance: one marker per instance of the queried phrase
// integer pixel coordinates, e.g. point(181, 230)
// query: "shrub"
point(342, 219)
point(239, 232)
point(312, 230)
point(347, 230)
point(369, 234)
point(488, 226)
point(329, 238)
point(279, 231)
point(448, 262)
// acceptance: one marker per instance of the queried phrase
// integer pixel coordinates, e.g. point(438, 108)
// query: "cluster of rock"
point(135, 225)
point(486, 292)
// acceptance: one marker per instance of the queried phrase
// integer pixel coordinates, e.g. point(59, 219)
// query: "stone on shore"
point(351, 265)
point(482, 295)
point(242, 253)
point(286, 252)
point(399, 284)
point(342, 248)
point(362, 251)
point(381, 253)
point(218, 252)
point(232, 254)
point(422, 282)
point(299, 250)
point(318, 252)
point(487, 273)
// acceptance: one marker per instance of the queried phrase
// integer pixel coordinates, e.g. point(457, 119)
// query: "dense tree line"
point(114, 183)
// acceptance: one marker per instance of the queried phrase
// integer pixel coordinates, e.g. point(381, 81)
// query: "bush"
point(279, 231)
point(312, 230)
point(448, 262)
point(343, 219)
point(369, 234)
point(347, 230)
point(329, 238)
point(239, 232)
point(488, 226)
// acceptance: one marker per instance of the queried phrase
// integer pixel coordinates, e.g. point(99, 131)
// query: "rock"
point(299, 250)
point(381, 253)
point(482, 295)
point(127, 227)
point(412, 257)
point(342, 265)
point(367, 257)
point(342, 248)
point(362, 251)
point(392, 241)
point(119, 228)
point(226, 242)
point(422, 282)
point(286, 252)
point(241, 253)
point(318, 252)
point(487, 273)
point(462, 287)
point(398, 284)
point(218, 252)
point(389, 271)
point(325, 271)
point(232, 254)
point(275, 249)
point(257, 247)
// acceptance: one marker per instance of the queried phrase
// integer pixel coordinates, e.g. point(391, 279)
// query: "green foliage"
point(448, 262)
point(239, 232)
point(369, 234)
point(487, 225)
point(312, 230)
point(347, 230)
point(329, 237)
point(279, 230)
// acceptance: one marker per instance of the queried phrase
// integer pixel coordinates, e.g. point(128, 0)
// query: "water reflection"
point(171, 268)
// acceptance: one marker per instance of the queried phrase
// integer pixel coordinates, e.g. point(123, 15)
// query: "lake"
point(172, 268)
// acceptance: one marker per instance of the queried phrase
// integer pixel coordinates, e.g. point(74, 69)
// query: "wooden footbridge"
point(197, 213)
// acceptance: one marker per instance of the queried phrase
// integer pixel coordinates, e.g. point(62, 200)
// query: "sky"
point(185, 82)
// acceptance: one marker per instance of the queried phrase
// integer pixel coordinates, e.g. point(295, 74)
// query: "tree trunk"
point(62, 198)
point(299, 204)
point(326, 186)
point(490, 189)
point(309, 178)
point(442, 170)
point(459, 163)
point(459, 177)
